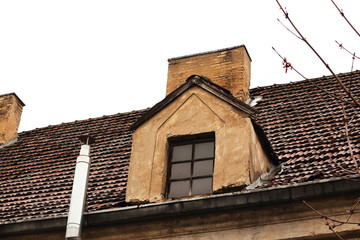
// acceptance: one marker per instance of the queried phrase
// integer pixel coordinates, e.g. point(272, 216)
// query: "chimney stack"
point(10, 112)
point(229, 68)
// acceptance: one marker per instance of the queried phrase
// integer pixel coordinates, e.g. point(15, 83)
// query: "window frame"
point(187, 140)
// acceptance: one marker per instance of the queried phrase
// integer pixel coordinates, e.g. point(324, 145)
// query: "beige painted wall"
point(195, 111)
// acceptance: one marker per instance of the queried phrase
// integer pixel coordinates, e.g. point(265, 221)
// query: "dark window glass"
point(204, 150)
point(191, 167)
point(201, 186)
point(181, 153)
point(203, 168)
point(181, 170)
point(179, 188)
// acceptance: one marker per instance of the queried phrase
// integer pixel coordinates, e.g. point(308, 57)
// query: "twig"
point(348, 138)
point(344, 169)
point(351, 120)
point(289, 29)
point(349, 171)
point(352, 210)
point(342, 14)
point(352, 54)
point(289, 65)
point(341, 86)
point(341, 46)
point(332, 229)
point(329, 218)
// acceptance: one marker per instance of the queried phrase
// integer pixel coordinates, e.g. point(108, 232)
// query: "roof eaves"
point(160, 105)
point(208, 204)
point(203, 83)
point(227, 97)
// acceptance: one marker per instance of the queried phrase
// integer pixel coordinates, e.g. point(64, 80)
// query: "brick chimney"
point(229, 68)
point(10, 112)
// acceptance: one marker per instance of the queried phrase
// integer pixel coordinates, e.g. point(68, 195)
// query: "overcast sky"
point(74, 60)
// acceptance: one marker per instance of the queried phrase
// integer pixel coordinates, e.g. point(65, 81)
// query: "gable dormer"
point(199, 140)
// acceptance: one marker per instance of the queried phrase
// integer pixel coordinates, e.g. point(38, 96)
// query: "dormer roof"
point(207, 85)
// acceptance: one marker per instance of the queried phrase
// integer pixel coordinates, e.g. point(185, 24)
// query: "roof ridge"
point(303, 80)
point(83, 120)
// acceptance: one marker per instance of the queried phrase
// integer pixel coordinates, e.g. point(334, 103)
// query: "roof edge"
point(324, 77)
point(265, 142)
point(204, 83)
point(213, 203)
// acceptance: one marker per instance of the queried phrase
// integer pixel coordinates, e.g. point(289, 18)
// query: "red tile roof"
point(306, 130)
point(37, 170)
point(301, 122)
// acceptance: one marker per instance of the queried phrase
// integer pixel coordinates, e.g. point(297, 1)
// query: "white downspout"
point(78, 194)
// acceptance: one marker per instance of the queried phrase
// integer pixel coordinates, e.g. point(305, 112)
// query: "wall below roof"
point(282, 221)
point(277, 220)
point(195, 111)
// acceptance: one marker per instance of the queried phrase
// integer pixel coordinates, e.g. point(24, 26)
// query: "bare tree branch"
point(342, 47)
point(353, 98)
point(329, 218)
point(353, 54)
point(346, 122)
point(347, 168)
point(348, 138)
point(287, 65)
point(332, 229)
point(289, 30)
point(342, 14)
point(351, 211)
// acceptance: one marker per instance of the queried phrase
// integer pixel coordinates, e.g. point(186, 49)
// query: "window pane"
point(204, 150)
point(179, 189)
point(181, 153)
point(180, 170)
point(203, 168)
point(202, 186)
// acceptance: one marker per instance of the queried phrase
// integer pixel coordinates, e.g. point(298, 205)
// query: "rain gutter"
point(210, 204)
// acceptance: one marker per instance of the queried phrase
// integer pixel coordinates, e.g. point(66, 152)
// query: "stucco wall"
point(195, 111)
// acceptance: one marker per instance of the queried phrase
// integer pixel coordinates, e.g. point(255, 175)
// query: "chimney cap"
point(14, 94)
point(214, 51)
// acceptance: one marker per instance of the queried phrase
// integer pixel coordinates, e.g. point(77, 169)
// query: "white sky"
point(71, 60)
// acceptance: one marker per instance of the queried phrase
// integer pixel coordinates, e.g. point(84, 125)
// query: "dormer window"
point(191, 165)
point(170, 160)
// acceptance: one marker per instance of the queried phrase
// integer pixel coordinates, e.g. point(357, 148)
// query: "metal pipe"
point(78, 194)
